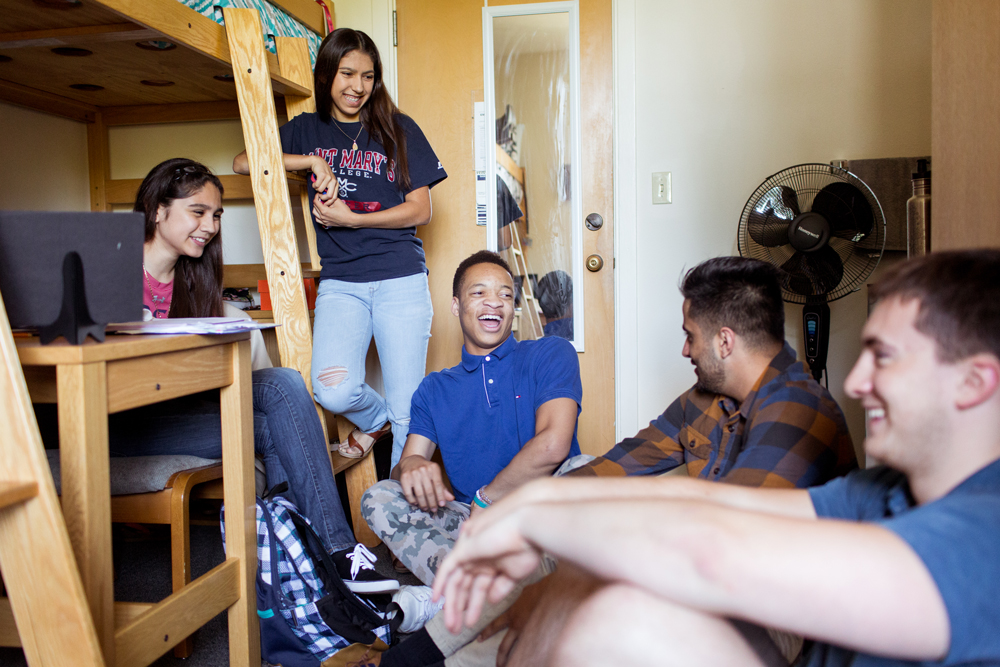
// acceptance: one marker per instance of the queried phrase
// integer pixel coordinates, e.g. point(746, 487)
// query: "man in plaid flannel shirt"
point(756, 416)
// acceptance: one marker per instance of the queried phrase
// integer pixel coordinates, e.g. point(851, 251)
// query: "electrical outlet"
point(661, 187)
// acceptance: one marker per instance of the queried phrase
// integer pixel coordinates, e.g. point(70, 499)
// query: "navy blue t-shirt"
point(958, 539)
point(367, 184)
point(482, 412)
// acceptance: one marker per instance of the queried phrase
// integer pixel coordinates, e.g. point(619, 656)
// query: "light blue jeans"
point(398, 313)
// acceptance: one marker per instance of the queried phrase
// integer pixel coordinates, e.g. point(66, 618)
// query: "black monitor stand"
point(74, 321)
point(68, 274)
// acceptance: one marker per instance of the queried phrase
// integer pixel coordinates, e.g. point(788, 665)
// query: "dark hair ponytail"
point(379, 114)
point(197, 281)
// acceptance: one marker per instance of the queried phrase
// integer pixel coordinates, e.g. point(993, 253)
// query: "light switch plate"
point(661, 187)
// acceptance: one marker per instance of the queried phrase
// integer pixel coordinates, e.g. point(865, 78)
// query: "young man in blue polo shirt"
point(505, 415)
point(895, 565)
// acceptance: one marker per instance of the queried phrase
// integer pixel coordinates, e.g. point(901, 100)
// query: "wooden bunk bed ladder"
point(274, 212)
point(46, 594)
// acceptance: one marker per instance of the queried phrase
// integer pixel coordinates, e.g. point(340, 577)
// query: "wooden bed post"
point(274, 211)
point(293, 58)
point(98, 164)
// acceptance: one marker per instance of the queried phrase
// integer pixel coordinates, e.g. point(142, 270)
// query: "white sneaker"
point(417, 606)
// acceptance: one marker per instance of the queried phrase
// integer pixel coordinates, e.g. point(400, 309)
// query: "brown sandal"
point(353, 449)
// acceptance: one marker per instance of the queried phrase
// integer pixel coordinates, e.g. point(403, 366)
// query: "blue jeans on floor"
point(398, 313)
point(287, 436)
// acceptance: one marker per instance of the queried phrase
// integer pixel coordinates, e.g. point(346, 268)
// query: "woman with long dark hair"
point(371, 173)
point(182, 265)
point(182, 242)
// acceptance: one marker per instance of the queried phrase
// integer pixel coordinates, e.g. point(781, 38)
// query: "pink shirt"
point(156, 297)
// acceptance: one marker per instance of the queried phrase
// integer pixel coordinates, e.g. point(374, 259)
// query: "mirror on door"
point(531, 65)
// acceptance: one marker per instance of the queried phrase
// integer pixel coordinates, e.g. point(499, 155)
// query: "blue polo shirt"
point(482, 412)
point(958, 539)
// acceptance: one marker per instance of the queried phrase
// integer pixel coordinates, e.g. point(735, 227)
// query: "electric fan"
point(824, 228)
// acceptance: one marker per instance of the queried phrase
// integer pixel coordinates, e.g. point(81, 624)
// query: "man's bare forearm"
point(791, 503)
point(855, 585)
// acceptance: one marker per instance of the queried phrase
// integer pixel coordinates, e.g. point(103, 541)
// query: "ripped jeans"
point(397, 313)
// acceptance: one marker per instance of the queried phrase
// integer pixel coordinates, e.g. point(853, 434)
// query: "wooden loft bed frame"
point(135, 92)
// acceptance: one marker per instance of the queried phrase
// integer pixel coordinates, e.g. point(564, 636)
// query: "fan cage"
point(859, 256)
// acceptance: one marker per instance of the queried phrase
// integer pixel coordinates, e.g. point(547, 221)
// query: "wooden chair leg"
point(180, 555)
point(359, 477)
point(180, 534)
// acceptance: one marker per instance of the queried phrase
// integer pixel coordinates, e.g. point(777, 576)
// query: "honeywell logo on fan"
point(808, 233)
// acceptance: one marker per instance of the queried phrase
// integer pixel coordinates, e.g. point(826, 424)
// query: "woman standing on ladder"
point(372, 170)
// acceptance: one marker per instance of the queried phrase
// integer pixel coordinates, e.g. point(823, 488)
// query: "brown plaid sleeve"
point(651, 452)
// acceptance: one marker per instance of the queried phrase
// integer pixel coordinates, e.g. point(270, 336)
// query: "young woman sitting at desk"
point(182, 266)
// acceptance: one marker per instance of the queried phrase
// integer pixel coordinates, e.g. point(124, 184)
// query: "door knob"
point(595, 263)
point(594, 222)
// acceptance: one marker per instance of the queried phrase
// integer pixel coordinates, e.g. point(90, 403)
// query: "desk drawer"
point(144, 380)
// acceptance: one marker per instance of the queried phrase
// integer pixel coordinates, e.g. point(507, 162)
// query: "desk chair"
point(40, 572)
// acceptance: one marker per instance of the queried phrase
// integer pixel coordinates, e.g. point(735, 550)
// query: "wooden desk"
point(93, 380)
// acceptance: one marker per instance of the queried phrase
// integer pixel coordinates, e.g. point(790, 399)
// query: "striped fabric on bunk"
point(276, 22)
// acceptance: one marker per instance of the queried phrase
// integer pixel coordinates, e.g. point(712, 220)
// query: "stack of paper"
point(189, 325)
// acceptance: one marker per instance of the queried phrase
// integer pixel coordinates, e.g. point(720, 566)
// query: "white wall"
point(723, 93)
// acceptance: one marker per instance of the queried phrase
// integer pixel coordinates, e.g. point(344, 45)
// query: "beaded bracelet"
point(482, 499)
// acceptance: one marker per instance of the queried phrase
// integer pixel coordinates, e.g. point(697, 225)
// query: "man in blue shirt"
point(894, 565)
point(503, 416)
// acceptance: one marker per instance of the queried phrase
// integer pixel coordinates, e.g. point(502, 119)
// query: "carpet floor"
point(142, 574)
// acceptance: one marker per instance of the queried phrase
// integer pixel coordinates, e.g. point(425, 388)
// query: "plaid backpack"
point(310, 614)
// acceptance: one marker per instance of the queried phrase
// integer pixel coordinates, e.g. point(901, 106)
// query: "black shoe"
point(356, 566)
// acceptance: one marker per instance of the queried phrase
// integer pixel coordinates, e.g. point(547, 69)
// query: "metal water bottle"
point(918, 213)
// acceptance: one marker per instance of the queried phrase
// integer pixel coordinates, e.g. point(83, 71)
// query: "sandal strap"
point(356, 448)
point(353, 444)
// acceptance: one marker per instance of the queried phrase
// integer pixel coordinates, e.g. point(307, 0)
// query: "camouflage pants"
point(420, 540)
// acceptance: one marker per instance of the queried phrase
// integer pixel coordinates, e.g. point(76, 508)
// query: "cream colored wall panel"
point(43, 162)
